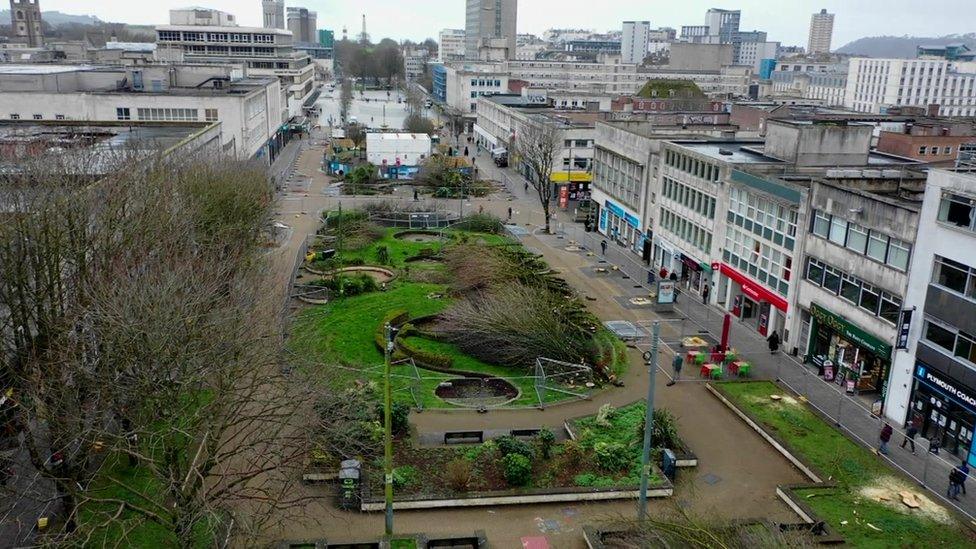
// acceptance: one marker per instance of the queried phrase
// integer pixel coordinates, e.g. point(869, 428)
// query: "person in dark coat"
point(883, 438)
point(673, 277)
point(773, 341)
point(676, 364)
point(603, 247)
point(705, 291)
point(910, 434)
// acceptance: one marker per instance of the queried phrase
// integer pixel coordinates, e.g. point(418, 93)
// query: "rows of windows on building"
point(166, 114)
point(871, 299)
point(687, 230)
point(689, 197)
point(759, 259)
point(35, 116)
point(960, 279)
point(618, 176)
point(764, 218)
point(245, 51)
point(869, 243)
point(233, 37)
point(693, 166)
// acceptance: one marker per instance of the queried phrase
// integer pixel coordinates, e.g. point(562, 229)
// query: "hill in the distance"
point(902, 46)
point(56, 18)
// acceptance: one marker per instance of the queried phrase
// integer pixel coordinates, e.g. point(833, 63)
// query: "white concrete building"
point(933, 378)
point(397, 149)
point(875, 84)
point(753, 53)
point(609, 76)
point(459, 86)
point(211, 36)
point(821, 33)
point(248, 110)
point(827, 88)
point(451, 45)
point(636, 36)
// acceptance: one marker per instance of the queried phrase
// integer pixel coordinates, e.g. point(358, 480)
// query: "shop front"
point(693, 273)
point(755, 305)
point(620, 224)
point(848, 355)
point(945, 410)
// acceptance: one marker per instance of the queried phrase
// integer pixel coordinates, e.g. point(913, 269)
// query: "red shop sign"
point(753, 289)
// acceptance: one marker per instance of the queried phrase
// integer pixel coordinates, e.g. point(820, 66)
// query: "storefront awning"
point(851, 332)
point(755, 290)
point(571, 177)
point(487, 136)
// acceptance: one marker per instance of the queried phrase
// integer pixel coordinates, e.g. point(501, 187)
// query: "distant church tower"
point(25, 17)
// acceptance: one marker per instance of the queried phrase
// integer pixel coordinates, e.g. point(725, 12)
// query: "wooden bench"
point(464, 437)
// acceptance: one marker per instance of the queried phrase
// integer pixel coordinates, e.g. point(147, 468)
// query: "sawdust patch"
point(887, 491)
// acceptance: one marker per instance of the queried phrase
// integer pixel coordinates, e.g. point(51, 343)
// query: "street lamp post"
point(650, 358)
point(388, 431)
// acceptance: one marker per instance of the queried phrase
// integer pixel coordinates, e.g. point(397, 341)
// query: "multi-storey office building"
point(636, 35)
point(490, 20)
point(303, 24)
point(821, 33)
point(458, 86)
point(826, 87)
point(853, 280)
point(196, 37)
point(933, 379)
point(246, 111)
point(274, 13)
point(625, 162)
point(608, 76)
point(450, 47)
point(877, 84)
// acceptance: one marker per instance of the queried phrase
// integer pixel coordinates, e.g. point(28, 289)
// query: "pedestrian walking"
point(466, 151)
point(773, 341)
point(509, 213)
point(663, 273)
point(676, 364)
point(955, 483)
point(884, 437)
point(673, 277)
point(964, 471)
point(705, 292)
point(910, 433)
point(481, 209)
point(935, 443)
point(603, 247)
point(650, 277)
point(416, 196)
point(525, 188)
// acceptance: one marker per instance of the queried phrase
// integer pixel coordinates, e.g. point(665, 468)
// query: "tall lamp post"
point(650, 358)
point(388, 431)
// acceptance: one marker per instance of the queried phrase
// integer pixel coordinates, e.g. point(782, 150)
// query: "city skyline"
point(790, 26)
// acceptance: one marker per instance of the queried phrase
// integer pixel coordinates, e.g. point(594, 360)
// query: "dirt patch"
point(419, 236)
point(469, 391)
point(887, 491)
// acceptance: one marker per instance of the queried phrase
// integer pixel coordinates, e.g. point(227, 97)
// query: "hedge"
point(424, 356)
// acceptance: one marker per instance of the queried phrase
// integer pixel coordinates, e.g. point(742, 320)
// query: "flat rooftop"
point(39, 68)
point(736, 152)
point(140, 136)
point(397, 136)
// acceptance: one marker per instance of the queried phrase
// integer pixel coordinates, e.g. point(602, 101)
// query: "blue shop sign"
point(615, 209)
point(619, 212)
point(960, 395)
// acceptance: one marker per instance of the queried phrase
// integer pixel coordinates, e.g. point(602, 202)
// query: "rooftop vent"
point(725, 152)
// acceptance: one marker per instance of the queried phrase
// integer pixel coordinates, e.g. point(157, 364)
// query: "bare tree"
point(142, 350)
point(536, 147)
point(416, 123)
point(345, 99)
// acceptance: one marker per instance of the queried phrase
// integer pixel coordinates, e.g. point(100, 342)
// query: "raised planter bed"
point(685, 457)
point(661, 489)
point(477, 540)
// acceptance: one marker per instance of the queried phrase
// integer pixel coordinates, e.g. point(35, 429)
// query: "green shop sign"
point(851, 332)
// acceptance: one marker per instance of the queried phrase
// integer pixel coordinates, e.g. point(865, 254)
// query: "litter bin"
point(669, 464)
point(349, 482)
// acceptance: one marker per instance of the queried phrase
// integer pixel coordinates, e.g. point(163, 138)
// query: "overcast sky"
point(786, 21)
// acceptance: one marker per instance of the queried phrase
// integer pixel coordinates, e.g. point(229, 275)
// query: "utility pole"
point(650, 358)
point(388, 432)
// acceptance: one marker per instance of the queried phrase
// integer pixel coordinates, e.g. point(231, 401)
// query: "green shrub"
point(584, 479)
point(399, 418)
point(665, 433)
point(427, 357)
point(545, 439)
point(405, 476)
point(394, 318)
point(458, 474)
point(509, 445)
point(611, 456)
point(383, 255)
point(481, 223)
point(518, 469)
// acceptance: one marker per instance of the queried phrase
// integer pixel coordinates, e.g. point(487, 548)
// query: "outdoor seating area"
point(716, 365)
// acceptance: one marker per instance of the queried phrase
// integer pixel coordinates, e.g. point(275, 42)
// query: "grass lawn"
point(862, 477)
point(402, 249)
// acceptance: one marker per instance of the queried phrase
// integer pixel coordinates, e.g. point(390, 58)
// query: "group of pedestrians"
point(958, 474)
